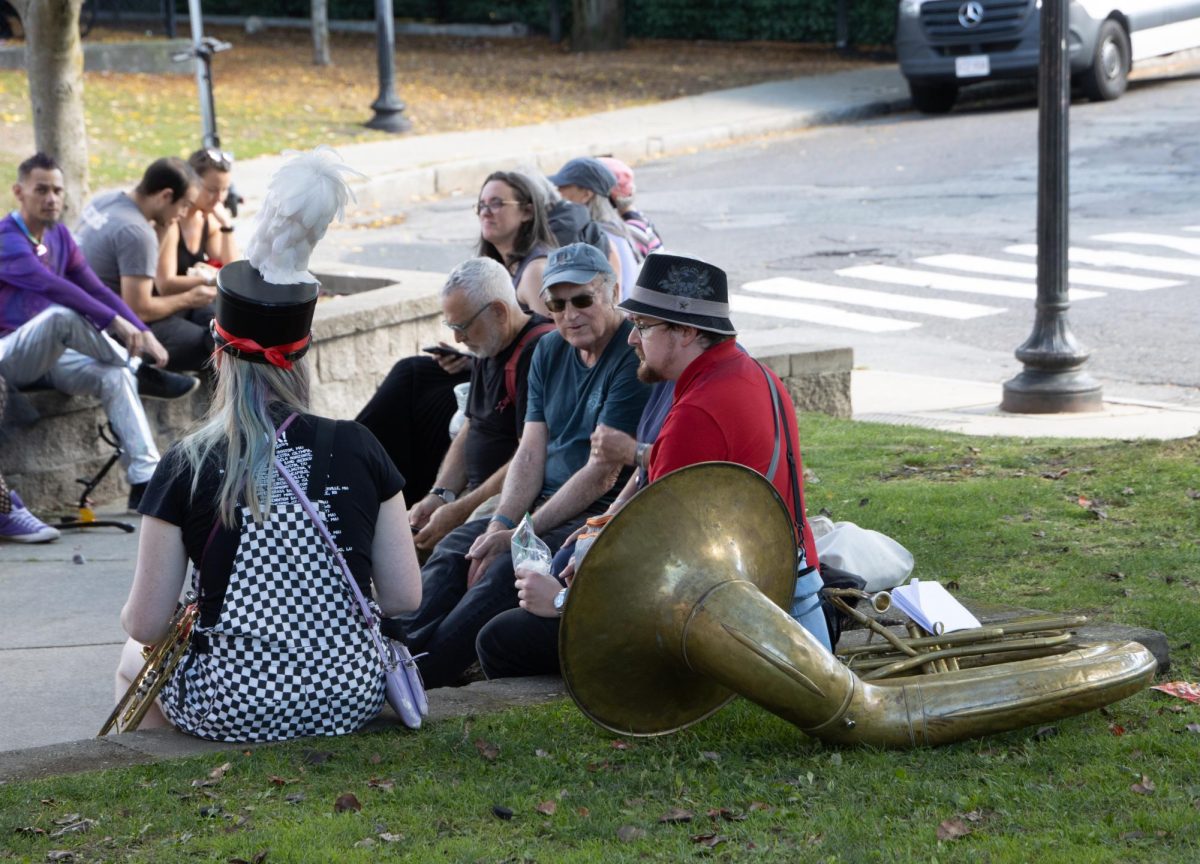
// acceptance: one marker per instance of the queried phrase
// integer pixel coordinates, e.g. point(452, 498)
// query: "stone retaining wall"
point(376, 317)
point(147, 56)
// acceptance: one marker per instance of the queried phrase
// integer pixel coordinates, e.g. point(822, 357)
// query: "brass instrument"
point(161, 660)
point(664, 626)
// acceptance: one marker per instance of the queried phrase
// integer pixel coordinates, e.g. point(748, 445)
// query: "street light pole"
point(389, 110)
point(1053, 379)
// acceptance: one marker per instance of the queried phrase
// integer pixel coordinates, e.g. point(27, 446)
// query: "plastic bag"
point(528, 550)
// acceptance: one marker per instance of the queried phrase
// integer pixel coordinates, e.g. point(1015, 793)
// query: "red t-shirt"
point(723, 413)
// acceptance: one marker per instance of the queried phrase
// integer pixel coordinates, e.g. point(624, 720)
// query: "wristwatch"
point(445, 494)
point(560, 601)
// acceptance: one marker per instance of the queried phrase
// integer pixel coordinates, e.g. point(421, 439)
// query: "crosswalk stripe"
point(952, 282)
point(1189, 245)
point(1192, 228)
point(1021, 270)
point(825, 315)
point(798, 289)
point(1108, 258)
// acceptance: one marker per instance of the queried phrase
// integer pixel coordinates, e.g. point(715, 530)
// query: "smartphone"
point(443, 352)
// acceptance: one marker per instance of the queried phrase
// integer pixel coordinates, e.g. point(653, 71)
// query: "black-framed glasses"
point(465, 326)
point(492, 206)
point(579, 301)
point(642, 327)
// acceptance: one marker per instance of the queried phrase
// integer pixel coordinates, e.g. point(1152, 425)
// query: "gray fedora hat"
point(682, 290)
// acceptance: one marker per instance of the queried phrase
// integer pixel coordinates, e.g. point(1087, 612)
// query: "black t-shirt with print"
point(359, 477)
point(493, 435)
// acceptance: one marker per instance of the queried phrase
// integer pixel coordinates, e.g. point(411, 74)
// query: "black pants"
point(187, 338)
point(516, 644)
point(410, 415)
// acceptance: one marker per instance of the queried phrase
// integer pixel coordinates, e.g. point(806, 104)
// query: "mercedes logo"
point(970, 14)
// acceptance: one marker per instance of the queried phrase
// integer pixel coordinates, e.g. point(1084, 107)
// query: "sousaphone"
point(679, 606)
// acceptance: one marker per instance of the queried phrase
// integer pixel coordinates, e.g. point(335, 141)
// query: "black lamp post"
point(389, 110)
point(1053, 379)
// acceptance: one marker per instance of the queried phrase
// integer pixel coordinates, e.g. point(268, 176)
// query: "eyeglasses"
point(465, 326)
point(222, 160)
point(579, 301)
point(641, 328)
point(492, 206)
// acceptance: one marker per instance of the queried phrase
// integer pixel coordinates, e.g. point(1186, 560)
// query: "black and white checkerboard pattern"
point(290, 655)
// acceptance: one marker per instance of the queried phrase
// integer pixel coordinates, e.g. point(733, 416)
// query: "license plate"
point(972, 66)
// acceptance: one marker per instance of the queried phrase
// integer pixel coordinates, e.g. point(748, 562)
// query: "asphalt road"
point(851, 225)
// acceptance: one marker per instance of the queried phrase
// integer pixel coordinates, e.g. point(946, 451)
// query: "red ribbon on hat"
point(276, 355)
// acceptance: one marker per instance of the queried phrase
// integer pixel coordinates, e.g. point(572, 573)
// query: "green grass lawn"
point(1109, 528)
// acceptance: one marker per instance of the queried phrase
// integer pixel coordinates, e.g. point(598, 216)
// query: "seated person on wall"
point(281, 648)
point(723, 410)
point(583, 374)
point(201, 241)
point(118, 236)
point(586, 181)
point(17, 524)
point(60, 326)
point(410, 413)
point(642, 233)
point(569, 222)
point(481, 310)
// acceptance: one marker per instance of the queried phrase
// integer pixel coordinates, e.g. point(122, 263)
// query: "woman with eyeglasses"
point(191, 251)
point(514, 230)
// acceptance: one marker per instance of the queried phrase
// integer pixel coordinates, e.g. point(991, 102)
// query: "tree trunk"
point(54, 63)
point(597, 25)
point(320, 33)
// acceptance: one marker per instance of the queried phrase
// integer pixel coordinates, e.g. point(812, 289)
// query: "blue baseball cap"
point(576, 264)
point(587, 173)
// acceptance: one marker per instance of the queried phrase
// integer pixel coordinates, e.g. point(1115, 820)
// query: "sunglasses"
point(222, 160)
point(579, 301)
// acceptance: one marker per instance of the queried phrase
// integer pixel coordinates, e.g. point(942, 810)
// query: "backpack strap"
point(510, 365)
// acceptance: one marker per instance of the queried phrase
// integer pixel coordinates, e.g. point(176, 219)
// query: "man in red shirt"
point(727, 408)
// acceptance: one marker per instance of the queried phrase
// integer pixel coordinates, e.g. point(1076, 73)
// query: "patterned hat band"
point(674, 303)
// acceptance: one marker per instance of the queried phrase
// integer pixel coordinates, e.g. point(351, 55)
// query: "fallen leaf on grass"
point(389, 837)
point(583, 812)
point(315, 757)
point(259, 857)
point(1045, 732)
point(618, 744)
point(1140, 835)
point(219, 772)
point(725, 813)
point(501, 812)
point(710, 755)
point(1183, 689)
point(759, 805)
point(1194, 494)
point(1055, 475)
point(708, 840)
point(1116, 729)
point(628, 833)
point(375, 759)
point(487, 749)
point(275, 780)
point(76, 827)
point(1145, 786)
point(346, 802)
point(384, 785)
point(30, 829)
point(60, 855)
point(294, 798)
point(1192, 727)
point(547, 808)
point(541, 754)
point(676, 815)
point(365, 843)
point(952, 829)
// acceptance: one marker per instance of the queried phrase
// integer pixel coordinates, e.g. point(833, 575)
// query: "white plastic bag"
point(875, 557)
point(529, 552)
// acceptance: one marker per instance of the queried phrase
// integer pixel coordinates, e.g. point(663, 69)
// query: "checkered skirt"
point(289, 655)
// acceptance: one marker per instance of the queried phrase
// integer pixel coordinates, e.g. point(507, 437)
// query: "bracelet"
point(226, 229)
point(503, 520)
point(642, 454)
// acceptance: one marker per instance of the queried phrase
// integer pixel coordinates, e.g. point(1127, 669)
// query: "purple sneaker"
point(21, 526)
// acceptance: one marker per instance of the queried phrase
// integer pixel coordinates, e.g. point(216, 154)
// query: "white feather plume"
point(303, 197)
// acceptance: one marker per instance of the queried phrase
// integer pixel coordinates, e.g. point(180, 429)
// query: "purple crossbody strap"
point(368, 616)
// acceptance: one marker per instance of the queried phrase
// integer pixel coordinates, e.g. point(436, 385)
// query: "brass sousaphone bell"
point(679, 606)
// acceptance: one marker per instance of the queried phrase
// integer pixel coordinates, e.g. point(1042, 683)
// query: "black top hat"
point(682, 291)
point(260, 321)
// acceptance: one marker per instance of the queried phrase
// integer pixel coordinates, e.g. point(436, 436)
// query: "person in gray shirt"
point(117, 234)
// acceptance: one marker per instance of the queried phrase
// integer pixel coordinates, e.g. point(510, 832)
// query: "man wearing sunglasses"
point(582, 374)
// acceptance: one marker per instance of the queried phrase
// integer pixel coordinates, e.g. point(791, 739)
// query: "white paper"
point(932, 607)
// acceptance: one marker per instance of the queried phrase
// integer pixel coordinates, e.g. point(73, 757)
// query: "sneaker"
point(21, 526)
point(155, 383)
point(136, 491)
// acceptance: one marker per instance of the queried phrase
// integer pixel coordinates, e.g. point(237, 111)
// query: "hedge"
point(872, 22)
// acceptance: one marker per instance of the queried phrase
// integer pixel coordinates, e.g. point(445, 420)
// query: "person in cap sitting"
point(586, 181)
point(727, 408)
point(281, 648)
point(583, 374)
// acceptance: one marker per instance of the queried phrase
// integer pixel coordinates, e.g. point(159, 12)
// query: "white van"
point(946, 44)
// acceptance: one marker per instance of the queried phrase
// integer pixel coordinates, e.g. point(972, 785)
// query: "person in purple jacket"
point(59, 325)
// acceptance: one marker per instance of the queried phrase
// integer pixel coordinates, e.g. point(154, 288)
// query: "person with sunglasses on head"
point(582, 374)
point(726, 407)
point(119, 234)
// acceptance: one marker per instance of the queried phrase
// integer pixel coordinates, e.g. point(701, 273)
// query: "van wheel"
point(933, 98)
point(1108, 75)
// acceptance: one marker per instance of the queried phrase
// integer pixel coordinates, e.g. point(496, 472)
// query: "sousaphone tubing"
point(679, 606)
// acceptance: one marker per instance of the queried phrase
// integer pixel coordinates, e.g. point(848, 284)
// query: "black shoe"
point(155, 383)
point(136, 491)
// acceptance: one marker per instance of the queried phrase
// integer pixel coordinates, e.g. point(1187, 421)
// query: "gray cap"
point(576, 264)
point(587, 173)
